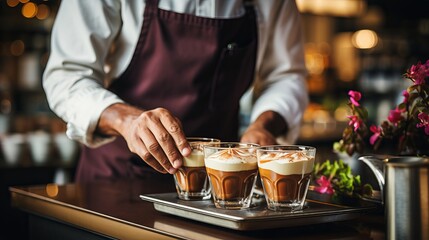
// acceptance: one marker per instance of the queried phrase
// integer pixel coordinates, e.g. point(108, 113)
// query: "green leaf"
point(362, 113)
point(402, 106)
point(316, 168)
point(413, 96)
point(357, 180)
point(342, 178)
point(339, 146)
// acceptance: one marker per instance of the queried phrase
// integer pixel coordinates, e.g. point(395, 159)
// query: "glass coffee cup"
point(191, 179)
point(285, 172)
point(232, 170)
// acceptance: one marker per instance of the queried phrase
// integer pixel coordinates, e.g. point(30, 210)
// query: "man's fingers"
point(158, 134)
point(157, 145)
point(174, 128)
point(157, 137)
point(262, 138)
point(140, 149)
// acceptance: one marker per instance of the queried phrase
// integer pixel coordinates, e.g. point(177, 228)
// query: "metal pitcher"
point(404, 187)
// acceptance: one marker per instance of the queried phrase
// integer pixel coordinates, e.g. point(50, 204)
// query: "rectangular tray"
point(258, 216)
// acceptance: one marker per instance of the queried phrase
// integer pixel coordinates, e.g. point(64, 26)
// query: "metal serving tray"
point(258, 216)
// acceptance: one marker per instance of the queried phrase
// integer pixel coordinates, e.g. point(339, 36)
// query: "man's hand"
point(155, 135)
point(258, 135)
point(265, 129)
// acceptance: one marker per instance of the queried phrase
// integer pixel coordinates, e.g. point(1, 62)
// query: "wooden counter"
point(113, 210)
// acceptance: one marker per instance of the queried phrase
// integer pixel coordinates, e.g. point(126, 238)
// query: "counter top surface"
point(114, 208)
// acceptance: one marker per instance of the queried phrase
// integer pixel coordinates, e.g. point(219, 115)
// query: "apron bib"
point(198, 68)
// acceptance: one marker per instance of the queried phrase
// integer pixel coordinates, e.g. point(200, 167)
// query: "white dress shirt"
point(94, 41)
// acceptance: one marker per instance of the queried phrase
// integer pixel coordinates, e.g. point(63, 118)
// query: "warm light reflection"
point(345, 8)
point(17, 48)
point(364, 39)
point(322, 121)
point(52, 189)
point(314, 60)
point(24, 1)
point(12, 3)
point(29, 10)
point(315, 63)
point(341, 113)
point(42, 11)
point(345, 57)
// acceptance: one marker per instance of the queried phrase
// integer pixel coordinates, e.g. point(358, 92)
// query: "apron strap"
point(152, 5)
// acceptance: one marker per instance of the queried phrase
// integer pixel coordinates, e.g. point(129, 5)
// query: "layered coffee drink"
point(191, 179)
point(285, 174)
point(232, 172)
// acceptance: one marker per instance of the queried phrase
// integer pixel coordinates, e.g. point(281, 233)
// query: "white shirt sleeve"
point(74, 77)
point(280, 78)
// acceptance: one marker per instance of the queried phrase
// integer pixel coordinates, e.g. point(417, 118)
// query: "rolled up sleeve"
point(281, 76)
point(74, 76)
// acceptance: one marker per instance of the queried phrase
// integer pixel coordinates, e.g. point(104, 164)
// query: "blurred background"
point(364, 45)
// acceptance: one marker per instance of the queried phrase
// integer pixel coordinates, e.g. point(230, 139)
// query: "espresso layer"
point(191, 179)
point(282, 188)
point(231, 185)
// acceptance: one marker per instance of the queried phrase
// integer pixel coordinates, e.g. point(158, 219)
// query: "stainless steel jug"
point(404, 186)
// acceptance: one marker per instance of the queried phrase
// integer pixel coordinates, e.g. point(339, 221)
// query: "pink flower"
point(377, 132)
point(419, 72)
point(406, 95)
point(355, 96)
point(395, 116)
point(355, 121)
point(324, 185)
point(424, 119)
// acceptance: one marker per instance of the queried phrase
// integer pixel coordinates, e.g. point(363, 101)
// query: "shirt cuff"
point(290, 103)
point(84, 131)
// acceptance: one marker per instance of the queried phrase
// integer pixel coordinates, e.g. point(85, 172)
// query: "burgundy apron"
point(198, 68)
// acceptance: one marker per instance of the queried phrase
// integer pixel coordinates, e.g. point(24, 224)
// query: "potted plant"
point(405, 132)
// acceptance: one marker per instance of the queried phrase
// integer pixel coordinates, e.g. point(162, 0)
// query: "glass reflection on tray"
point(258, 216)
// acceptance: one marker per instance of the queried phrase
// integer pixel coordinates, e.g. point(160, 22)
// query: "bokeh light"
point(29, 10)
point(12, 3)
point(364, 39)
point(52, 189)
point(42, 11)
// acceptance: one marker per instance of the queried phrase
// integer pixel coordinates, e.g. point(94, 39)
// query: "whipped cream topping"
point(195, 159)
point(286, 163)
point(232, 160)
